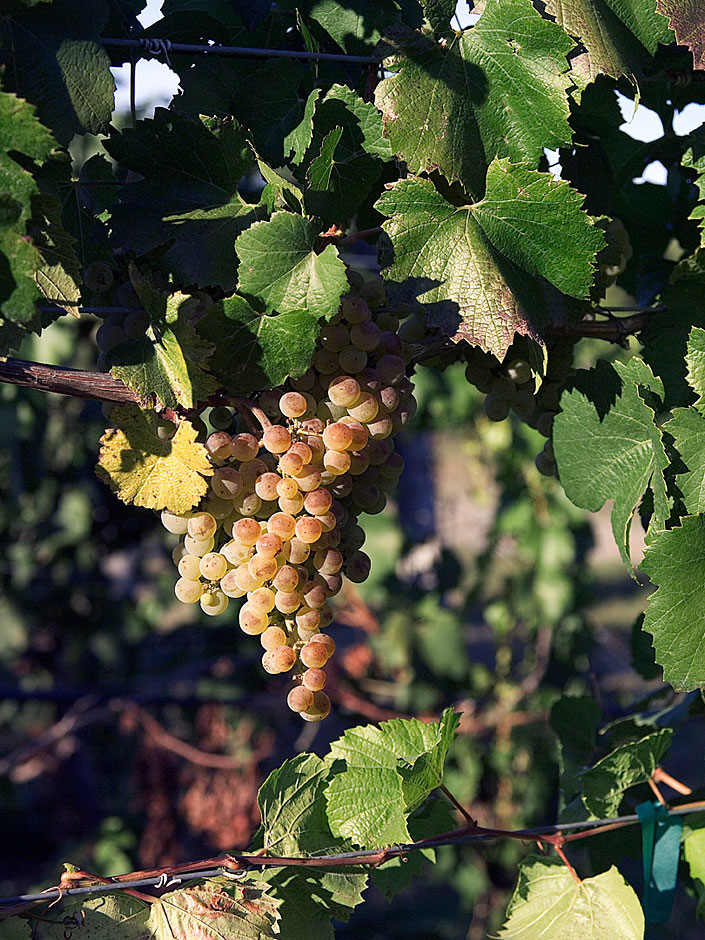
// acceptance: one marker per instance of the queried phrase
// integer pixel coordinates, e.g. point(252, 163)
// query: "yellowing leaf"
point(144, 470)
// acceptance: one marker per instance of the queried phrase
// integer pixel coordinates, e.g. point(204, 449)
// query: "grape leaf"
point(147, 471)
point(453, 108)
point(215, 912)
point(390, 771)
point(666, 335)
point(574, 719)
point(675, 615)
point(470, 286)
point(618, 38)
point(549, 903)
point(254, 351)
point(344, 159)
point(438, 14)
point(298, 140)
point(169, 360)
point(687, 428)
point(608, 446)
point(189, 194)
point(59, 271)
point(117, 916)
point(54, 59)
point(686, 20)
point(538, 223)
point(281, 270)
point(694, 855)
point(355, 27)
point(20, 133)
point(695, 358)
point(293, 808)
point(633, 763)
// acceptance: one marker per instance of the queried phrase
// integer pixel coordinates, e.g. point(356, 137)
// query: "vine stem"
point(237, 864)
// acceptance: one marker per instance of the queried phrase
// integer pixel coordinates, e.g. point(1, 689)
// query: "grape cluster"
point(279, 524)
point(510, 387)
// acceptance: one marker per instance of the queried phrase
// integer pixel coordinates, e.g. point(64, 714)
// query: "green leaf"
point(115, 916)
point(479, 296)
point(390, 771)
point(345, 156)
point(695, 359)
point(548, 903)
point(254, 351)
point(214, 911)
point(523, 212)
point(633, 763)
point(575, 719)
point(356, 28)
point(694, 855)
point(54, 59)
point(281, 270)
point(189, 194)
point(608, 446)
point(686, 20)
point(59, 272)
point(145, 470)
point(453, 108)
point(263, 98)
point(169, 360)
point(298, 140)
point(619, 38)
point(675, 615)
point(694, 157)
point(666, 336)
point(438, 14)
point(293, 809)
point(20, 134)
point(687, 427)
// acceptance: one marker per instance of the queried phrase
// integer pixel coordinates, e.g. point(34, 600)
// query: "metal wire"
point(258, 862)
point(157, 47)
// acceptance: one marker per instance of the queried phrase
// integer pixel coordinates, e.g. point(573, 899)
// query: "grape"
point(213, 566)
point(352, 359)
point(292, 405)
point(246, 580)
point(291, 463)
point(189, 566)
point(313, 655)
point(318, 502)
point(366, 408)
point(544, 425)
point(276, 439)
point(287, 488)
point(266, 485)
point(357, 568)
point(519, 371)
point(326, 362)
point(261, 568)
point(292, 506)
point(244, 447)
point(381, 428)
point(136, 324)
point(326, 641)
point(98, 276)
point(329, 561)
point(502, 388)
point(496, 409)
point(308, 618)
point(334, 337)
point(365, 336)
point(315, 593)
point(220, 418)
point(299, 699)
point(202, 526)
point(545, 465)
point(320, 708)
point(344, 391)
point(305, 382)
point(219, 444)
point(338, 437)
point(226, 482)
point(308, 529)
point(214, 603)
point(109, 335)
point(314, 679)
point(303, 450)
point(337, 462)
point(198, 546)
point(354, 309)
point(373, 291)
point(188, 591)
point(173, 523)
point(286, 579)
point(391, 369)
point(246, 531)
point(309, 479)
point(251, 470)
point(287, 602)
point(281, 524)
point(268, 545)
point(272, 638)
point(230, 586)
point(252, 620)
point(284, 658)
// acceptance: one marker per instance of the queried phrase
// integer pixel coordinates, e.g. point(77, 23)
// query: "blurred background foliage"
point(135, 731)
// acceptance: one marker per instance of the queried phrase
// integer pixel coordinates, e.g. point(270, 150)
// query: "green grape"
point(519, 371)
point(299, 699)
point(174, 523)
point(216, 603)
point(220, 418)
point(320, 708)
point(188, 591)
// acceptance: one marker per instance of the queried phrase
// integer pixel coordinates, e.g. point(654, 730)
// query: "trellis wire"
point(157, 47)
point(259, 862)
